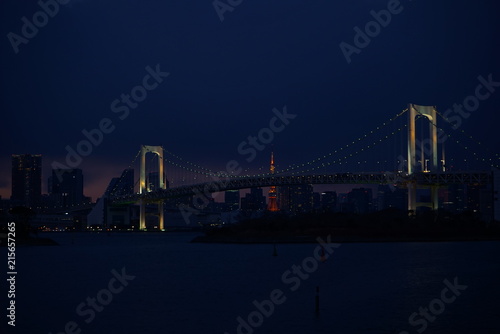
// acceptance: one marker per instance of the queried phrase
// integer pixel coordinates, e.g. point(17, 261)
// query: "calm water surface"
point(182, 287)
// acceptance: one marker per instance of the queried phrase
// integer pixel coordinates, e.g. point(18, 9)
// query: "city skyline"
point(467, 193)
point(46, 183)
point(202, 106)
point(237, 166)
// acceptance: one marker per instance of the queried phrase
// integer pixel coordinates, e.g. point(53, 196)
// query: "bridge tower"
point(428, 149)
point(158, 150)
point(272, 205)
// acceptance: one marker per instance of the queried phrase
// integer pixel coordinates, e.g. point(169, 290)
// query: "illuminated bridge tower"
point(272, 205)
point(426, 151)
point(158, 150)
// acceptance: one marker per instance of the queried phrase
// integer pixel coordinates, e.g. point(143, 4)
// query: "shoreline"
point(338, 239)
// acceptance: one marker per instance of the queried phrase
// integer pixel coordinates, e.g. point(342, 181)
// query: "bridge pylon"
point(158, 150)
point(431, 114)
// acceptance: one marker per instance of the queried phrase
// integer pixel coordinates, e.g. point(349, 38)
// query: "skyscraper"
point(253, 201)
point(232, 199)
point(123, 185)
point(127, 182)
point(391, 197)
point(329, 200)
point(361, 200)
point(26, 179)
point(66, 187)
point(296, 198)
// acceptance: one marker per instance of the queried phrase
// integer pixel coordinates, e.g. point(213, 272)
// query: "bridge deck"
point(445, 178)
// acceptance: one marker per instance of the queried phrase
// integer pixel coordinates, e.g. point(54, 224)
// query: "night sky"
point(225, 77)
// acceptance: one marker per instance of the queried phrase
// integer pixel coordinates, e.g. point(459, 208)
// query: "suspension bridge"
point(421, 164)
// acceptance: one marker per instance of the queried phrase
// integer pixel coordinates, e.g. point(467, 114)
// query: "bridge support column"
point(426, 151)
point(412, 198)
point(430, 113)
point(435, 197)
point(142, 214)
point(143, 187)
point(161, 216)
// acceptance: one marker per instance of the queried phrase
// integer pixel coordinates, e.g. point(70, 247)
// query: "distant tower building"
point(392, 197)
point(253, 201)
point(26, 179)
point(112, 186)
point(474, 197)
point(361, 200)
point(66, 187)
point(329, 200)
point(296, 198)
point(127, 182)
point(272, 204)
point(456, 198)
point(123, 185)
point(232, 199)
point(316, 200)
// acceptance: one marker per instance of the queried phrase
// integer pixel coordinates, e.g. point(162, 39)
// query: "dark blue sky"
point(226, 77)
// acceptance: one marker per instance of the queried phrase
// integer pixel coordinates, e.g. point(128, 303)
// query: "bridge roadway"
point(421, 178)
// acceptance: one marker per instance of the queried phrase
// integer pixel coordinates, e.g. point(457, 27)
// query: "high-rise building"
point(112, 186)
point(253, 201)
point(26, 179)
point(232, 200)
point(456, 198)
point(127, 182)
point(123, 185)
point(66, 187)
point(361, 200)
point(474, 197)
point(316, 200)
point(296, 198)
point(486, 207)
point(496, 196)
point(329, 200)
point(343, 203)
point(391, 197)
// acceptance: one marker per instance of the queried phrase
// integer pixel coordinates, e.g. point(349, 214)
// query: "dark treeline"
point(388, 224)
